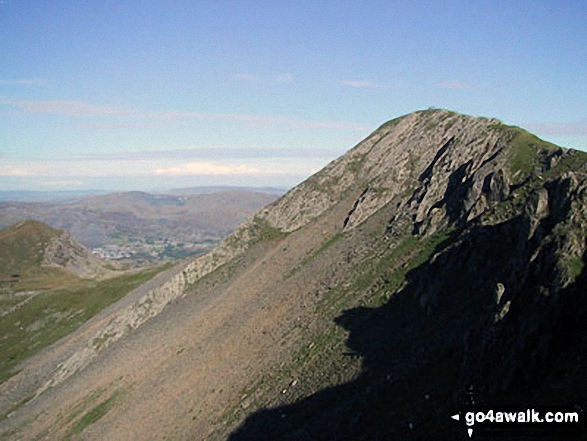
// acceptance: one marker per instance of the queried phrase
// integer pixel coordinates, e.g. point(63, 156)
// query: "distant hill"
point(46, 196)
point(220, 189)
point(33, 250)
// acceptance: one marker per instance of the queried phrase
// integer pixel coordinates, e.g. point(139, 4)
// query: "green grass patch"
point(499, 126)
point(523, 155)
point(22, 246)
point(376, 281)
point(94, 414)
point(260, 230)
point(263, 231)
point(8, 300)
point(575, 266)
point(49, 316)
point(43, 279)
point(312, 256)
point(525, 150)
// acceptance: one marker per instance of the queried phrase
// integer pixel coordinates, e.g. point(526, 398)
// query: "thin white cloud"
point(22, 82)
point(360, 84)
point(66, 108)
point(246, 77)
point(325, 125)
point(19, 171)
point(209, 169)
point(284, 78)
point(57, 171)
point(261, 120)
point(142, 119)
point(62, 183)
point(265, 121)
point(239, 117)
point(559, 129)
point(267, 79)
point(211, 153)
point(117, 126)
point(456, 85)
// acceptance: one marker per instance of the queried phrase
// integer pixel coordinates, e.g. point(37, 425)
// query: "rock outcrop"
point(62, 251)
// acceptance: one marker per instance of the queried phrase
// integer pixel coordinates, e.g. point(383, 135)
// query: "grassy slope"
point(46, 303)
point(46, 317)
point(22, 247)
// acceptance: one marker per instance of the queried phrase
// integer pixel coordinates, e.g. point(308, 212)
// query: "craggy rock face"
point(505, 292)
point(441, 252)
point(419, 151)
point(64, 252)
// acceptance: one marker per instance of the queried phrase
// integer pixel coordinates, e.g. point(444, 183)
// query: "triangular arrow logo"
point(455, 417)
point(470, 432)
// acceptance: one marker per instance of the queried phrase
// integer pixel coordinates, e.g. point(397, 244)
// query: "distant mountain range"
point(144, 227)
point(221, 189)
point(75, 195)
point(46, 196)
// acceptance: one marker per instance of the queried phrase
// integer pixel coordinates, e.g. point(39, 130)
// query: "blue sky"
point(152, 95)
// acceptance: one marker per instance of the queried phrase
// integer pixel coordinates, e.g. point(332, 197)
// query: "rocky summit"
point(444, 254)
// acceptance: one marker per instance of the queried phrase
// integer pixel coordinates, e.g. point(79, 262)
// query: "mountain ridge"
point(437, 245)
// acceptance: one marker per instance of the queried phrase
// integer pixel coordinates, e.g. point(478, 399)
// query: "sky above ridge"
point(145, 95)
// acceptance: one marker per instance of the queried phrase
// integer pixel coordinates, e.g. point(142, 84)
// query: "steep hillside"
point(442, 253)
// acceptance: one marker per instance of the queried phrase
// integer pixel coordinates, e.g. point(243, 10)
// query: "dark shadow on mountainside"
point(451, 327)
